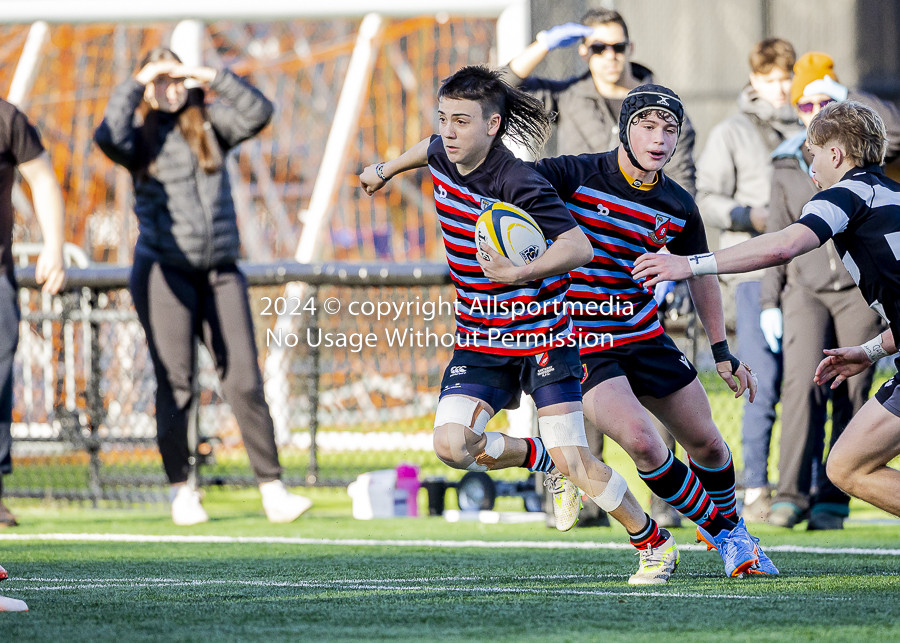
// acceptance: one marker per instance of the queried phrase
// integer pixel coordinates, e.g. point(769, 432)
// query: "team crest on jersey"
point(542, 359)
point(660, 229)
point(486, 203)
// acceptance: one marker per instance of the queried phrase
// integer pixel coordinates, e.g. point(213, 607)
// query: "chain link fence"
point(364, 361)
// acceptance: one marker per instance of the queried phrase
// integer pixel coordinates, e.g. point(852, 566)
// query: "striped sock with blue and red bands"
point(649, 536)
point(680, 487)
point(537, 458)
point(719, 483)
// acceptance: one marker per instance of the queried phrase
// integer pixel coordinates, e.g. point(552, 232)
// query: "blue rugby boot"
point(736, 547)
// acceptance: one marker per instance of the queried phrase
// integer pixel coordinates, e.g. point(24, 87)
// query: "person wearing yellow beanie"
point(815, 85)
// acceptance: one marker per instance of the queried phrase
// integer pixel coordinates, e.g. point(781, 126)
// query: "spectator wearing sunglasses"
point(587, 108)
point(588, 104)
point(820, 309)
point(734, 178)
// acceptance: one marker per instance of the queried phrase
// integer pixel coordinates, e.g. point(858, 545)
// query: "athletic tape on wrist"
point(874, 349)
point(611, 496)
point(721, 353)
point(563, 430)
point(704, 264)
point(456, 409)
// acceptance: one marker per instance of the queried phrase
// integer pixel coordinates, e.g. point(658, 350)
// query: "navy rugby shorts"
point(654, 367)
point(480, 374)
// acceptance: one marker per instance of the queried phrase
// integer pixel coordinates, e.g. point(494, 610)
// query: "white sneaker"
point(566, 500)
point(280, 504)
point(186, 507)
point(657, 564)
point(12, 605)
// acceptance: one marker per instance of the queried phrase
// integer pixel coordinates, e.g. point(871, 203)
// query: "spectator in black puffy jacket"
point(184, 281)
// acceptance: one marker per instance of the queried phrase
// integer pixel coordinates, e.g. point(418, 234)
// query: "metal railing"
point(86, 353)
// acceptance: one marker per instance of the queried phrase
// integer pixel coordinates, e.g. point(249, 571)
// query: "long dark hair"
point(192, 121)
point(522, 116)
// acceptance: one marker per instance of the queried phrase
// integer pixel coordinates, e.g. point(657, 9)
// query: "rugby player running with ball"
point(471, 169)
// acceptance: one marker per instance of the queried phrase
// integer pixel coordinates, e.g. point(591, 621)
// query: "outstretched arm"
point(568, 251)
point(416, 156)
point(707, 298)
point(762, 252)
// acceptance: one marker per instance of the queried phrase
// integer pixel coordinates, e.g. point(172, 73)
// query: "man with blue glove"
point(821, 310)
point(734, 176)
point(587, 107)
point(588, 104)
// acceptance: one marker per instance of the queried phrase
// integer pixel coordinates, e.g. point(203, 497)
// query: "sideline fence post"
point(94, 398)
point(312, 473)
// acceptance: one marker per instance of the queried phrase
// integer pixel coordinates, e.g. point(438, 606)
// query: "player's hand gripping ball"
point(511, 232)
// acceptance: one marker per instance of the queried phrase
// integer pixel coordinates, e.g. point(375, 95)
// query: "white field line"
point(420, 585)
point(443, 544)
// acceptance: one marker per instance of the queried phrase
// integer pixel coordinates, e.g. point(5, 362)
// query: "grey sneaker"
point(759, 509)
point(784, 514)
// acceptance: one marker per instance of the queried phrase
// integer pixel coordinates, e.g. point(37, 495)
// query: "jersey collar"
point(644, 187)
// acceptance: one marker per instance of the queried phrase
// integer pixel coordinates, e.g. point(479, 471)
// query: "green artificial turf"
point(210, 592)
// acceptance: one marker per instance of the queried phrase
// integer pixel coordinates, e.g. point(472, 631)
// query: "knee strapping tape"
point(495, 444)
point(494, 448)
point(563, 430)
point(611, 496)
point(456, 409)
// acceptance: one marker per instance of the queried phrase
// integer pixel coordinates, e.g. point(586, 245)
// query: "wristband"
point(874, 350)
point(703, 264)
point(379, 170)
point(722, 354)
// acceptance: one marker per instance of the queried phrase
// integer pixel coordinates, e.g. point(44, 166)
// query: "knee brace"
point(611, 496)
point(565, 430)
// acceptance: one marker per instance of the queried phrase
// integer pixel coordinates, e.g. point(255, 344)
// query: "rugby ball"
point(511, 232)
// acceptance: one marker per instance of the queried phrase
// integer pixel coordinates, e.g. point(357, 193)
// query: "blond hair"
point(856, 128)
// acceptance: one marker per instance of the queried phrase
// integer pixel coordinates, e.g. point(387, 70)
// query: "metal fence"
point(361, 393)
point(360, 389)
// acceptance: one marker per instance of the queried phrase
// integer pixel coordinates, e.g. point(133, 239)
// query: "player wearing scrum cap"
point(472, 168)
point(628, 207)
point(859, 208)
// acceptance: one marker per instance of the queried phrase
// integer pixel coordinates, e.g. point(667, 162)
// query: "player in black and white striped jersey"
point(859, 209)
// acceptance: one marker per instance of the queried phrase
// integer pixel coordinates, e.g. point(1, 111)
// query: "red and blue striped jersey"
point(622, 223)
point(489, 316)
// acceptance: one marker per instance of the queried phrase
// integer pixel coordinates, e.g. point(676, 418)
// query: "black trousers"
point(175, 306)
point(9, 339)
